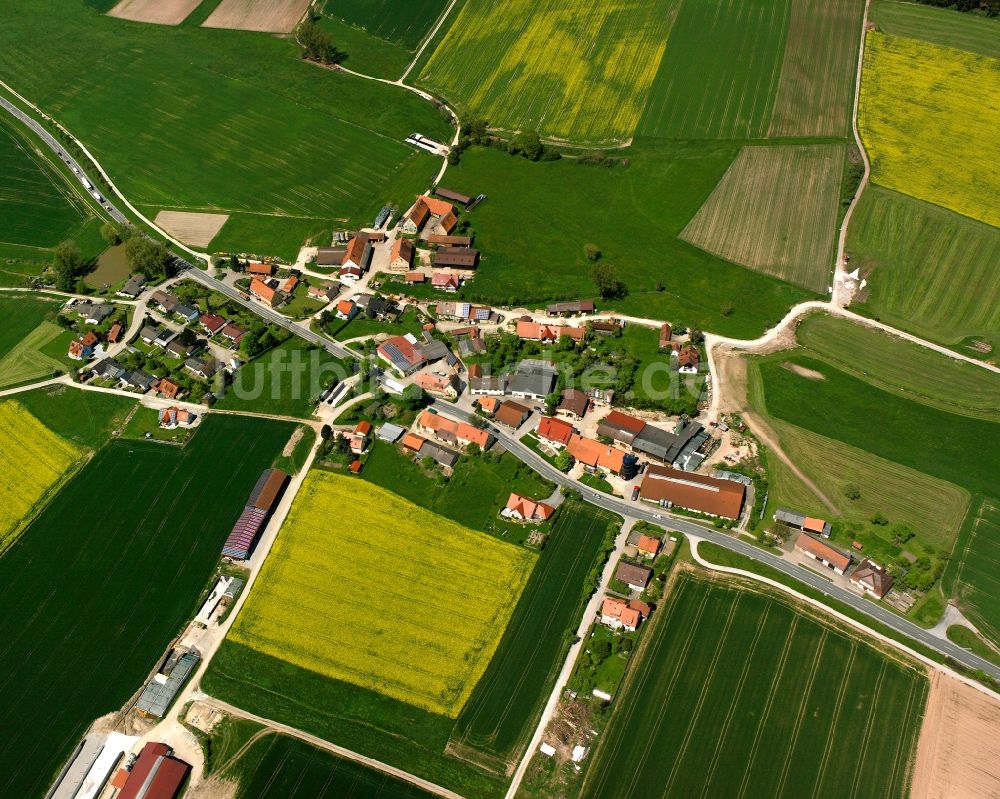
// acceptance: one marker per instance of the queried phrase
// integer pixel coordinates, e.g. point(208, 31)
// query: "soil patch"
point(195, 229)
point(159, 12)
point(268, 16)
point(802, 371)
point(112, 267)
point(958, 756)
point(292, 442)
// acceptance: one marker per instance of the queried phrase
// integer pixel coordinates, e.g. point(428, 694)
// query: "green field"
point(279, 767)
point(775, 212)
point(930, 271)
point(901, 367)
point(719, 73)
point(816, 91)
point(86, 418)
point(532, 242)
point(286, 381)
point(38, 205)
point(405, 22)
point(22, 315)
point(572, 71)
point(148, 522)
point(944, 26)
point(305, 143)
point(974, 572)
point(737, 694)
point(501, 714)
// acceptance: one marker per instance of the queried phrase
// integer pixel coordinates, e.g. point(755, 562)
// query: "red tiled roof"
point(618, 609)
point(90, 339)
point(665, 334)
point(212, 322)
point(512, 414)
point(594, 453)
point(696, 492)
point(624, 422)
point(355, 249)
point(488, 404)
point(259, 288)
point(648, 544)
point(415, 277)
point(345, 307)
point(290, 284)
point(536, 331)
point(419, 212)
point(402, 248)
point(260, 269)
point(413, 441)
point(528, 508)
point(448, 222)
point(363, 427)
point(436, 206)
point(819, 549)
point(114, 333)
point(462, 431)
point(168, 388)
point(688, 356)
point(813, 525)
point(555, 429)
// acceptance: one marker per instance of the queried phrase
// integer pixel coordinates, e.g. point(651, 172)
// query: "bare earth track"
point(159, 12)
point(958, 755)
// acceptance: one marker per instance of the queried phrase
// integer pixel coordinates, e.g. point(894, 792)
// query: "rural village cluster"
point(499, 399)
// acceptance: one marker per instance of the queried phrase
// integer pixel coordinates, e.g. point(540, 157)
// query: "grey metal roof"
point(434, 350)
point(157, 696)
point(535, 378)
point(390, 432)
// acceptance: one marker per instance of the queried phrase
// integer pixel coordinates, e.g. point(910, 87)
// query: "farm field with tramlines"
point(973, 574)
point(752, 698)
point(105, 576)
point(441, 610)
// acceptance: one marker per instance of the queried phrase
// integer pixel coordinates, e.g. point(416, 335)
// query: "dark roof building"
point(635, 576)
point(159, 692)
point(457, 257)
point(330, 256)
point(533, 379)
point(872, 578)
point(620, 427)
point(568, 308)
point(574, 403)
point(442, 455)
point(802, 522)
point(454, 196)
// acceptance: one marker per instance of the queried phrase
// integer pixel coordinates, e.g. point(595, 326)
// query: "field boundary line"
point(737, 693)
point(868, 730)
point(779, 668)
point(427, 40)
point(838, 709)
point(910, 764)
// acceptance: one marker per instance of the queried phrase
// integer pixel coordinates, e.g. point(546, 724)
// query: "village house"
point(438, 385)
point(554, 432)
point(667, 487)
point(186, 312)
point(601, 397)
point(323, 291)
point(260, 270)
point(487, 386)
point(798, 521)
point(175, 417)
point(648, 546)
point(621, 615)
point(524, 509)
point(202, 367)
point(633, 575)
point(212, 323)
point(412, 442)
point(264, 293)
point(872, 578)
point(597, 456)
point(346, 309)
point(446, 223)
point(84, 347)
point(687, 360)
point(93, 313)
point(440, 455)
point(108, 369)
point(414, 219)
point(446, 281)
point(463, 312)
point(402, 353)
point(133, 287)
point(115, 333)
point(830, 556)
point(149, 334)
point(401, 255)
point(529, 330)
point(164, 301)
point(574, 404)
point(168, 388)
point(290, 284)
point(176, 349)
point(452, 431)
point(488, 405)
point(234, 333)
point(138, 379)
point(512, 414)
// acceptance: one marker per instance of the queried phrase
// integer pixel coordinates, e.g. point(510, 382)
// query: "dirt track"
point(958, 756)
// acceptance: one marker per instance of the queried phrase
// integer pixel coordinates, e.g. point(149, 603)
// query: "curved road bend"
point(639, 510)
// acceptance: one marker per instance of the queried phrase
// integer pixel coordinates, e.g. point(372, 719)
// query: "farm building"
point(402, 353)
point(453, 196)
point(529, 330)
point(261, 270)
point(488, 386)
point(834, 559)
point(449, 241)
point(533, 379)
point(330, 256)
point(633, 575)
point(441, 455)
point(666, 487)
point(164, 685)
point(413, 442)
point(87, 771)
point(415, 277)
point(438, 385)
point(401, 255)
point(872, 578)
point(358, 253)
point(620, 428)
point(799, 521)
point(115, 333)
point(512, 414)
point(525, 509)
point(609, 327)
point(574, 404)
point(390, 433)
point(665, 335)
point(222, 588)
point(155, 775)
point(456, 257)
point(263, 499)
point(555, 432)
point(679, 448)
point(264, 293)
point(570, 308)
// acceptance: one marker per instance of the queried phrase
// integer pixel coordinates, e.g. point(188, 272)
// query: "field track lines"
point(898, 760)
point(778, 670)
point(794, 737)
point(649, 658)
point(738, 692)
point(706, 684)
point(838, 707)
point(866, 734)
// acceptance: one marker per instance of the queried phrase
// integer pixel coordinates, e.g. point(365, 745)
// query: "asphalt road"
point(62, 154)
point(641, 510)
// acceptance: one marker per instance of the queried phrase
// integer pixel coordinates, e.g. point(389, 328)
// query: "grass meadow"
point(775, 211)
point(532, 242)
point(276, 137)
point(944, 26)
point(500, 716)
point(21, 315)
point(930, 271)
point(405, 23)
point(571, 71)
point(91, 605)
point(718, 76)
point(32, 460)
point(338, 599)
point(815, 94)
point(85, 418)
point(973, 575)
point(917, 100)
point(751, 698)
point(281, 767)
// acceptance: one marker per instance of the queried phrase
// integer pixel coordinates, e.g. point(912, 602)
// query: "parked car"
point(635, 493)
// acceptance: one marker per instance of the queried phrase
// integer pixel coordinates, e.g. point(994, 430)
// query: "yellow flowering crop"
point(928, 119)
point(32, 458)
point(366, 587)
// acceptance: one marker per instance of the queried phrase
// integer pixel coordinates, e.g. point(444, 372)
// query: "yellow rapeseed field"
point(32, 458)
point(569, 69)
point(366, 587)
point(928, 117)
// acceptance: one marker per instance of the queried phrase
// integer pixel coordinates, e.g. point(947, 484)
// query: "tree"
point(600, 650)
point(564, 461)
point(473, 449)
point(113, 234)
point(477, 130)
point(325, 432)
point(592, 251)
point(427, 462)
point(187, 337)
point(852, 491)
point(527, 143)
point(147, 256)
point(551, 401)
point(879, 519)
point(412, 397)
point(317, 43)
point(66, 265)
point(605, 276)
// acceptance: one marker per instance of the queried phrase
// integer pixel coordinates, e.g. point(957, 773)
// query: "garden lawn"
point(308, 143)
point(718, 76)
point(286, 381)
point(918, 103)
point(500, 716)
point(427, 644)
point(532, 242)
point(280, 767)
point(133, 538)
point(570, 70)
point(930, 271)
point(32, 461)
point(772, 701)
point(944, 26)
point(361, 325)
